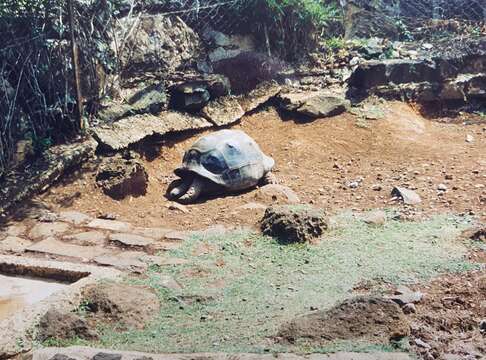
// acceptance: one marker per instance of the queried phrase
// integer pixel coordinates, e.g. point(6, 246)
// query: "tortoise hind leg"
point(269, 178)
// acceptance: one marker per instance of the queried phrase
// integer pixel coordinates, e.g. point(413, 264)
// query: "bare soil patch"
point(318, 161)
point(447, 322)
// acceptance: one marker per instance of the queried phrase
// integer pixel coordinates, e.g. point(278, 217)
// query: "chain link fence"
point(37, 82)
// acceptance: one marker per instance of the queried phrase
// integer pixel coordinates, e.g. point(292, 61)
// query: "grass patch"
point(247, 285)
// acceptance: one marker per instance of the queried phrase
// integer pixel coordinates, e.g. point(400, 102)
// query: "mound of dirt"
point(376, 320)
point(291, 224)
point(120, 177)
point(127, 306)
point(63, 325)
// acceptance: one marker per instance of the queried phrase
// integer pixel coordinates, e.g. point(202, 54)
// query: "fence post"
point(75, 64)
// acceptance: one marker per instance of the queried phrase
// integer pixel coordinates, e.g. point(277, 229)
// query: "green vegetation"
point(238, 289)
point(292, 26)
point(335, 43)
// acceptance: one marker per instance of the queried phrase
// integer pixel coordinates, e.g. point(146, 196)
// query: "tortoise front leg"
point(195, 189)
point(180, 189)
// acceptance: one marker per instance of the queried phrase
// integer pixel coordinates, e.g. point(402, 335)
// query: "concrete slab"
point(52, 246)
point(85, 353)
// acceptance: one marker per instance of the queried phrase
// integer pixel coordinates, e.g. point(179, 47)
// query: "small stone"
point(74, 217)
point(469, 138)
point(43, 230)
point(408, 196)
point(61, 357)
point(178, 207)
point(252, 206)
point(47, 216)
point(106, 356)
point(404, 295)
point(354, 61)
point(109, 225)
point(422, 344)
point(108, 216)
point(130, 240)
point(409, 308)
point(377, 187)
point(482, 326)
point(442, 187)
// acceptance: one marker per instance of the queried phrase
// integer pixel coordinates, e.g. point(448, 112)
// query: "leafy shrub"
point(292, 26)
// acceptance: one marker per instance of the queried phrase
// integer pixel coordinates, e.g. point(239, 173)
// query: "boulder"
point(223, 111)
point(152, 99)
point(224, 46)
point(294, 223)
point(259, 96)
point(248, 69)
point(119, 178)
point(154, 43)
point(193, 95)
point(133, 129)
point(361, 22)
point(314, 104)
point(114, 112)
point(322, 106)
point(370, 319)
point(397, 71)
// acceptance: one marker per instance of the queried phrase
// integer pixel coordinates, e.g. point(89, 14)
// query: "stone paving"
point(76, 237)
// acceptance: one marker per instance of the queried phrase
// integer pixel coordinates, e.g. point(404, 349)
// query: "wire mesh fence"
point(37, 82)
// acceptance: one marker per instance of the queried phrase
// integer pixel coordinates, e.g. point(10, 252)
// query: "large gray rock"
point(223, 111)
point(152, 99)
point(314, 104)
point(193, 95)
point(324, 106)
point(448, 72)
point(131, 130)
point(34, 178)
point(154, 43)
point(360, 22)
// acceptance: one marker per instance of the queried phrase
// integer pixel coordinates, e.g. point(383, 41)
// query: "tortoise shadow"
point(220, 194)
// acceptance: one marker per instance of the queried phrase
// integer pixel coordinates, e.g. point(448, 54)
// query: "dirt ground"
point(317, 160)
point(447, 320)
